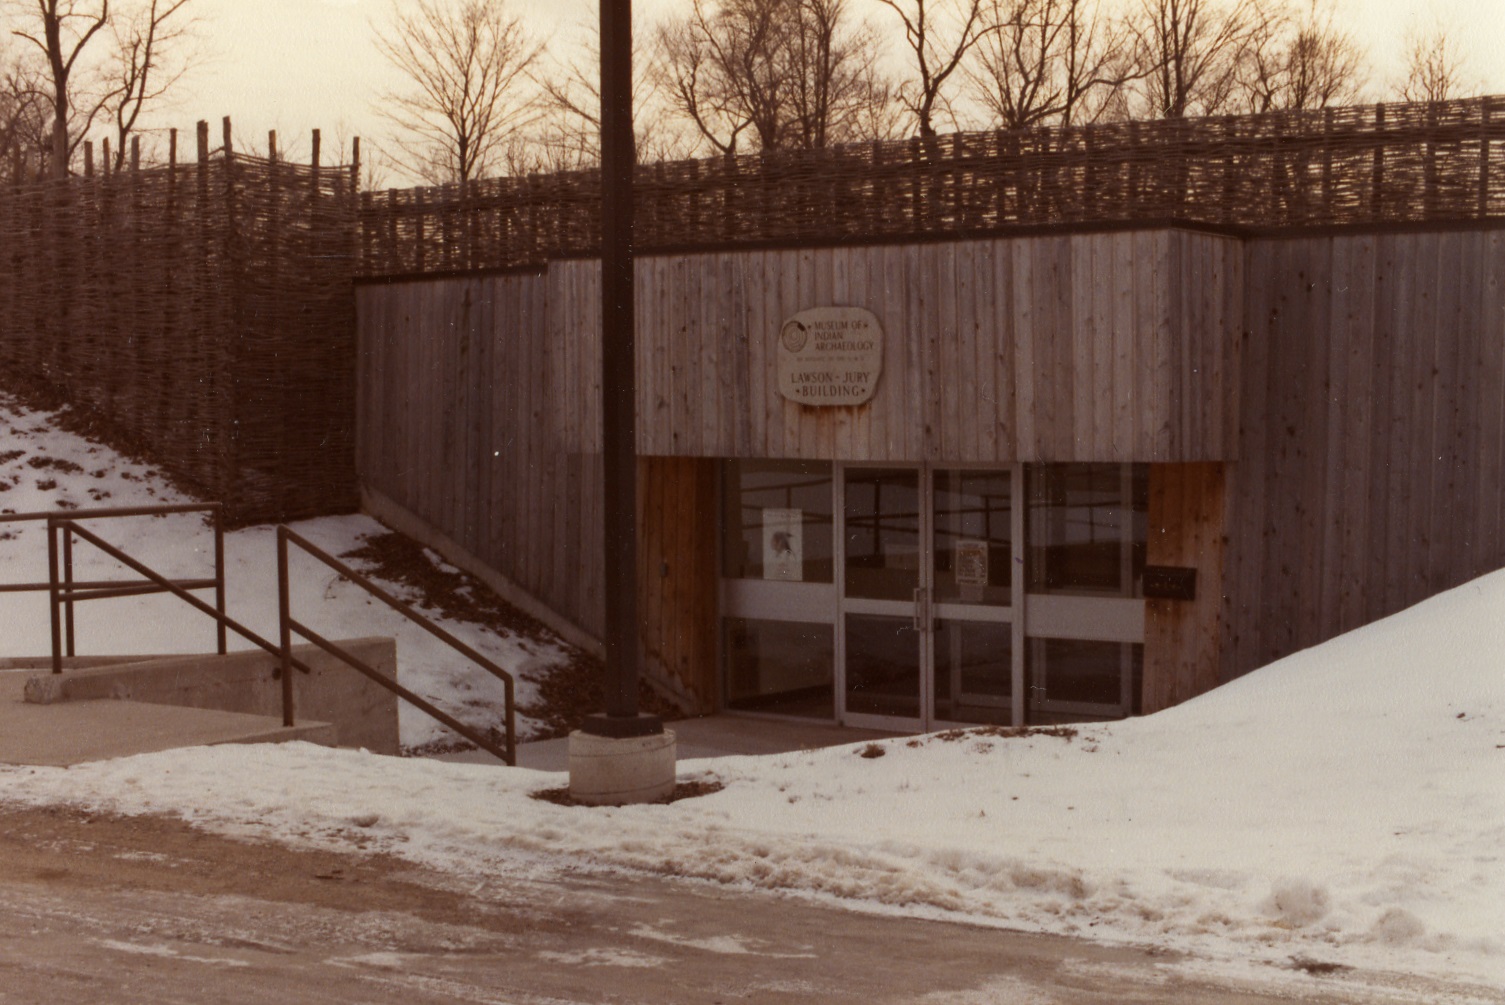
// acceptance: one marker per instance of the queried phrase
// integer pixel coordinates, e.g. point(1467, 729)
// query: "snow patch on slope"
point(43, 468)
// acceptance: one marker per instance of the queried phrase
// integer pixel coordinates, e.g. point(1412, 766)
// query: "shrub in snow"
point(1298, 901)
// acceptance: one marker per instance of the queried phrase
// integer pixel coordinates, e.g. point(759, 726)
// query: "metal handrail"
point(63, 595)
point(224, 620)
point(64, 591)
point(285, 535)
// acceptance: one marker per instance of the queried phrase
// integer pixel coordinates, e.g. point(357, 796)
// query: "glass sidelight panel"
point(777, 521)
point(1087, 525)
point(882, 538)
point(882, 666)
point(785, 667)
point(1079, 678)
point(974, 664)
point(973, 537)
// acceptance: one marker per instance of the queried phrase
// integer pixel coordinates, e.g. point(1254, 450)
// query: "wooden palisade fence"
point(203, 308)
point(1377, 164)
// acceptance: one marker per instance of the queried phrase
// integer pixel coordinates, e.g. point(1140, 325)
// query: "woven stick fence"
point(206, 309)
point(203, 310)
point(1379, 164)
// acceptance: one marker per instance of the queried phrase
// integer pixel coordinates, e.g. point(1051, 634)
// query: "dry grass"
point(568, 692)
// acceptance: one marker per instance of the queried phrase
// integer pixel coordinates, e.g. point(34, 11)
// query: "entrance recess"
point(916, 597)
point(926, 634)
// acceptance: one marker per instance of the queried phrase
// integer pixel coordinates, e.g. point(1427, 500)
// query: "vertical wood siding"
point(1372, 445)
point(1107, 347)
point(480, 396)
point(677, 574)
point(1353, 388)
point(468, 398)
point(1183, 639)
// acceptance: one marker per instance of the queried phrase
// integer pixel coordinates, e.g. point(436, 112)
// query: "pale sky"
point(293, 65)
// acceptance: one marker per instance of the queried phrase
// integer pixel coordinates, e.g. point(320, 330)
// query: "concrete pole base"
point(614, 772)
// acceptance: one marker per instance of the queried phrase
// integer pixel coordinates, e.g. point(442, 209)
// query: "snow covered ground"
point(1344, 806)
point(43, 468)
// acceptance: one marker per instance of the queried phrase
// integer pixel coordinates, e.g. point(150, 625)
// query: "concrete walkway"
point(73, 732)
point(706, 736)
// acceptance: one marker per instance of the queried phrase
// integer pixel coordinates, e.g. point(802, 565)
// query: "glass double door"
point(926, 629)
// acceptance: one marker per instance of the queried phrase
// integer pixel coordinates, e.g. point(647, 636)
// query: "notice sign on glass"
point(784, 544)
point(971, 562)
point(830, 356)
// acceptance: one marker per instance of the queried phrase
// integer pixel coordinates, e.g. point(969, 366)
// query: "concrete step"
point(74, 732)
point(364, 713)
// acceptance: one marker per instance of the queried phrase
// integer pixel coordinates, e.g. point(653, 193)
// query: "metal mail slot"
point(1169, 582)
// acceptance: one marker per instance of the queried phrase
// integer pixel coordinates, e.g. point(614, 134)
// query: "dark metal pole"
point(619, 381)
point(285, 627)
point(219, 576)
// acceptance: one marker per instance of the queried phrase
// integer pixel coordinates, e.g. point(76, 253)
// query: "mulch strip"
point(682, 790)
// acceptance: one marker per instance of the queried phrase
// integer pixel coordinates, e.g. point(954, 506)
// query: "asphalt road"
point(124, 910)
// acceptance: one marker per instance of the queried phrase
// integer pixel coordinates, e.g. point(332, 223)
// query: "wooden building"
point(1074, 465)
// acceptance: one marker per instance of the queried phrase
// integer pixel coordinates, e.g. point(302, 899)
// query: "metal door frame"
point(923, 609)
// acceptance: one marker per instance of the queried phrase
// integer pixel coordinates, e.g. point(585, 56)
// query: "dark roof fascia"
point(397, 278)
point(1376, 228)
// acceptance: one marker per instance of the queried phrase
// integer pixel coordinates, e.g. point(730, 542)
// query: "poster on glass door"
point(784, 544)
point(971, 562)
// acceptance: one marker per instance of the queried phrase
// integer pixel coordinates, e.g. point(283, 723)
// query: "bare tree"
point(24, 112)
point(1292, 63)
point(940, 33)
point(62, 30)
point(569, 133)
point(376, 168)
point(696, 72)
point(787, 73)
point(1188, 52)
point(1436, 69)
point(152, 53)
point(1050, 61)
point(470, 95)
point(1325, 65)
point(832, 73)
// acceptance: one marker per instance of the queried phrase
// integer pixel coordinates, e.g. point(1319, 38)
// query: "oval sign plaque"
point(830, 356)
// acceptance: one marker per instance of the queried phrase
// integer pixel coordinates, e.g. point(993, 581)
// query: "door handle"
point(921, 609)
